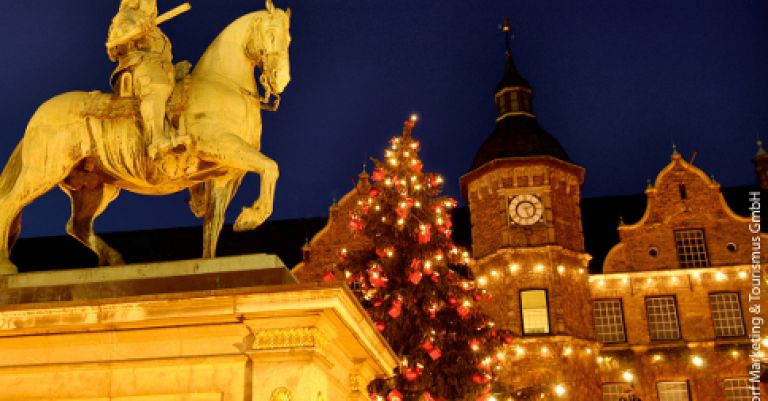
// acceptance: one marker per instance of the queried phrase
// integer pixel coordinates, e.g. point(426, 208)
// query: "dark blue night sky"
point(615, 82)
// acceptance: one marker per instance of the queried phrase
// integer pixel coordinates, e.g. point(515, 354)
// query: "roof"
point(518, 136)
point(511, 77)
point(600, 217)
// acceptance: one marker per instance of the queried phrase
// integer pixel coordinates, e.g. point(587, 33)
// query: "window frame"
point(727, 379)
point(703, 241)
point(602, 388)
point(687, 387)
point(677, 318)
point(623, 320)
point(522, 315)
point(741, 314)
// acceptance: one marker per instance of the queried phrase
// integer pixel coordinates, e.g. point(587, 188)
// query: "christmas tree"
point(416, 284)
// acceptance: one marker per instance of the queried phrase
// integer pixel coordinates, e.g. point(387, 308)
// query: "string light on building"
point(743, 275)
point(628, 376)
point(539, 267)
point(561, 269)
point(697, 361)
point(513, 268)
point(720, 276)
point(560, 390)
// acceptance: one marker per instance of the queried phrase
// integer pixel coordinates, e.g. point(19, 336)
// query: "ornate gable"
point(686, 224)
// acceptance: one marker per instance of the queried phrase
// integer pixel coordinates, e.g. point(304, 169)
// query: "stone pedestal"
point(223, 329)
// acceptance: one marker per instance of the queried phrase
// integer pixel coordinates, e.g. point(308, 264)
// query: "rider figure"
point(140, 47)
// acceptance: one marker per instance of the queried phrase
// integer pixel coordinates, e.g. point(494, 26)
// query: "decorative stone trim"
point(289, 338)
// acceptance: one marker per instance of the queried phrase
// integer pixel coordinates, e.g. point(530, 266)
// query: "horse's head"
point(267, 45)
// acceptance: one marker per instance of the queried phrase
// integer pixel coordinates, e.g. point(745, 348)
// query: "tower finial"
point(760, 148)
point(508, 35)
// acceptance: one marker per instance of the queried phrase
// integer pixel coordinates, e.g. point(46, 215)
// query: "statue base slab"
point(143, 279)
point(234, 328)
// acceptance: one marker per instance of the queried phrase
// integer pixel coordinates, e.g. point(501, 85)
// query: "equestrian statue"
point(164, 128)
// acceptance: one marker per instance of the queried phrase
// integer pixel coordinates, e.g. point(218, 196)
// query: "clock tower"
point(523, 192)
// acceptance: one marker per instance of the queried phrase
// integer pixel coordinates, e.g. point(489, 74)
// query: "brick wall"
point(652, 361)
point(322, 252)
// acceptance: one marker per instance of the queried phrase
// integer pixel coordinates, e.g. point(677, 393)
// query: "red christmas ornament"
point(435, 353)
point(394, 312)
point(411, 374)
point(380, 325)
point(452, 300)
point(474, 344)
point(416, 168)
point(378, 175)
point(463, 311)
point(415, 277)
point(428, 396)
point(328, 276)
point(402, 212)
point(396, 309)
point(395, 395)
point(378, 302)
point(477, 297)
point(356, 224)
point(479, 379)
point(508, 340)
point(375, 192)
point(428, 269)
point(427, 345)
point(415, 263)
point(425, 234)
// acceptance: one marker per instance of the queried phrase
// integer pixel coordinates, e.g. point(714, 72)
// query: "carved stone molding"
point(289, 338)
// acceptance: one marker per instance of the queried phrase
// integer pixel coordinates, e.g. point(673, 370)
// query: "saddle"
point(123, 103)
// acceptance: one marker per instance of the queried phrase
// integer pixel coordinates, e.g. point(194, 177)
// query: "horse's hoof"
point(250, 218)
point(6, 267)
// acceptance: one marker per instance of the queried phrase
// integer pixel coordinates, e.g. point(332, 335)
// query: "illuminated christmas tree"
point(417, 285)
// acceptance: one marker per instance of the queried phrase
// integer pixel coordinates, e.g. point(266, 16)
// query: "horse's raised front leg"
point(87, 205)
point(231, 150)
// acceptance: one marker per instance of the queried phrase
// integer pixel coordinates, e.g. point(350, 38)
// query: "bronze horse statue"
point(89, 144)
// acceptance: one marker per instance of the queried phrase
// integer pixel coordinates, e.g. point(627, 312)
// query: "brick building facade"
point(668, 319)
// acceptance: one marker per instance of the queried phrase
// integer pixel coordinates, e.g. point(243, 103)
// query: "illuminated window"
point(609, 321)
point(726, 314)
point(691, 249)
point(737, 390)
point(535, 311)
point(662, 318)
point(614, 391)
point(673, 391)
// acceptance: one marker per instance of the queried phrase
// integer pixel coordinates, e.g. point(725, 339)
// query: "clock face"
point(525, 209)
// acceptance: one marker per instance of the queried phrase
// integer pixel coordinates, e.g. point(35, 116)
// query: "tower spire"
point(508, 36)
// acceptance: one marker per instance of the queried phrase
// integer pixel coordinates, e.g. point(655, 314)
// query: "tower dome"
point(517, 133)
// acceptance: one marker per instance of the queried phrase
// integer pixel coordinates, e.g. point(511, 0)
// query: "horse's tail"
point(12, 170)
point(7, 180)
